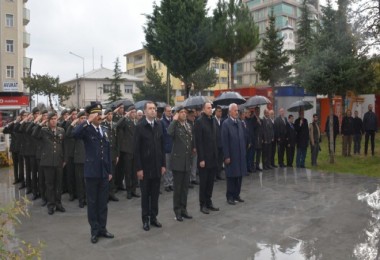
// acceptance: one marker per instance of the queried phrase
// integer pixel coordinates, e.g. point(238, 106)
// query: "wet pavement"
point(287, 214)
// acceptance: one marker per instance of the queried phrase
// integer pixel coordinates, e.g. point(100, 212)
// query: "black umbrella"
point(160, 106)
point(229, 97)
point(300, 104)
point(139, 105)
point(256, 101)
point(126, 102)
point(195, 102)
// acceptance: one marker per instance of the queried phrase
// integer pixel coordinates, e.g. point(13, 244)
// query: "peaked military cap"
point(94, 108)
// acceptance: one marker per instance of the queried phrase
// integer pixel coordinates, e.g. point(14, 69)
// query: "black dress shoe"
point(23, 186)
point(28, 191)
point(259, 169)
point(121, 188)
point(134, 194)
point(154, 222)
point(212, 208)
point(191, 186)
point(239, 200)
point(195, 182)
point(113, 197)
point(60, 208)
point(50, 211)
point(15, 182)
point(44, 202)
point(129, 195)
point(146, 226)
point(219, 178)
point(106, 234)
point(178, 217)
point(81, 204)
point(231, 202)
point(186, 215)
point(35, 196)
point(167, 189)
point(204, 210)
point(94, 239)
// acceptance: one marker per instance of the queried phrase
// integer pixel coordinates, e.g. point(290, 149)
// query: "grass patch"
point(356, 164)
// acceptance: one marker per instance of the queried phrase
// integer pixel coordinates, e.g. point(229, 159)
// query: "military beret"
point(94, 108)
point(35, 110)
point(23, 112)
point(51, 114)
point(81, 113)
point(119, 105)
point(44, 111)
point(63, 112)
point(108, 110)
point(179, 108)
point(73, 110)
point(131, 108)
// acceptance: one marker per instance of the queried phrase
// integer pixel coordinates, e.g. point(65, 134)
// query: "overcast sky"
point(111, 28)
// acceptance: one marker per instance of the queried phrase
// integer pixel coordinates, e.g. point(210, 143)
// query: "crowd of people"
point(92, 154)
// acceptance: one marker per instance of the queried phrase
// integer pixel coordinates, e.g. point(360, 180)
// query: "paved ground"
point(288, 214)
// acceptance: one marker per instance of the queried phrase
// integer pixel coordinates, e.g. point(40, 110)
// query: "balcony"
point(26, 40)
point(26, 16)
point(27, 63)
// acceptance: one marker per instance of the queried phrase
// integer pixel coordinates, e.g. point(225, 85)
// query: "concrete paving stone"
point(287, 214)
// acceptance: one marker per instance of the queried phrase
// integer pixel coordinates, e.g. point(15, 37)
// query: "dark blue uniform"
point(97, 168)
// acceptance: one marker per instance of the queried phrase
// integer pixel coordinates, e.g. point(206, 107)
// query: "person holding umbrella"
point(302, 130)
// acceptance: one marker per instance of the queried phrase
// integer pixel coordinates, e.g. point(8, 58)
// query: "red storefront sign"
point(14, 101)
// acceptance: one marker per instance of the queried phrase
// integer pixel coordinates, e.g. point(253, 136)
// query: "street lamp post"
point(84, 89)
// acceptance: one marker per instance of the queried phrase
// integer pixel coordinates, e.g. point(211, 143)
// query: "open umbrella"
point(126, 102)
point(195, 102)
point(300, 104)
point(139, 105)
point(229, 97)
point(256, 101)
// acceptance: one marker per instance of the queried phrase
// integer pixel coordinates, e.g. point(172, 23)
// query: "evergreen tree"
point(115, 92)
point(271, 62)
point(234, 31)
point(154, 89)
point(177, 34)
point(205, 77)
point(49, 86)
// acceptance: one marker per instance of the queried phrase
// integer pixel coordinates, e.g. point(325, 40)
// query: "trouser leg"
point(70, 174)
point(210, 185)
point(373, 142)
point(112, 186)
point(131, 178)
point(79, 180)
point(103, 204)
point(92, 205)
point(50, 176)
point(35, 176)
point(168, 177)
point(42, 181)
point(366, 143)
point(193, 171)
point(15, 157)
point(28, 173)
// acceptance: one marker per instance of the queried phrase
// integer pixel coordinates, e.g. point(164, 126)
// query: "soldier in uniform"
point(52, 162)
point(118, 113)
point(126, 132)
point(97, 170)
point(110, 127)
point(69, 146)
point(182, 136)
point(14, 148)
point(79, 159)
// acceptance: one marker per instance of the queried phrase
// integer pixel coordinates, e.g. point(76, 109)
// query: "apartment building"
point(287, 12)
point(14, 65)
point(139, 61)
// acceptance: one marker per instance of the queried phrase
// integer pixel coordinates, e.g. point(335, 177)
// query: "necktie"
point(152, 124)
point(98, 130)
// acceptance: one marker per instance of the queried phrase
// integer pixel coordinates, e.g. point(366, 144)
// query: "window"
point(128, 88)
point(223, 66)
point(223, 80)
point(10, 72)
point(9, 44)
point(9, 20)
point(107, 88)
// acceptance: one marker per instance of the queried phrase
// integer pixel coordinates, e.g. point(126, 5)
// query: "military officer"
point(52, 162)
point(118, 113)
point(181, 160)
point(110, 126)
point(14, 148)
point(97, 170)
point(79, 159)
point(126, 132)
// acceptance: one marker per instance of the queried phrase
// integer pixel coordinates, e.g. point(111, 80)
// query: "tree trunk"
point(187, 87)
point(331, 130)
point(232, 75)
point(167, 87)
point(51, 102)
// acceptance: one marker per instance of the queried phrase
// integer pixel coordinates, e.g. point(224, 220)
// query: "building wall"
point(21, 40)
point(95, 90)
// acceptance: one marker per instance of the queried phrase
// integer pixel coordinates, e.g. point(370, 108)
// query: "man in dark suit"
point(52, 159)
point(168, 143)
point(126, 128)
point(268, 137)
point(14, 148)
point(335, 129)
point(97, 170)
point(302, 130)
point(280, 135)
point(257, 138)
point(182, 137)
point(370, 128)
point(149, 156)
point(205, 130)
point(219, 121)
point(234, 141)
point(291, 138)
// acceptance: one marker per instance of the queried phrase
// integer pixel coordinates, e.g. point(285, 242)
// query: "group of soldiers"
point(56, 154)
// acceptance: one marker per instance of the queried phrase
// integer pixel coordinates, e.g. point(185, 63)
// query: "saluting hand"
point(75, 122)
point(38, 119)
point(175, 117)
point(163, 170)
point(43, 122)
point(92, 116)
point(109, 177)
point(68, 118)
point(227, 161)
point(140, 175)
point(202, 164)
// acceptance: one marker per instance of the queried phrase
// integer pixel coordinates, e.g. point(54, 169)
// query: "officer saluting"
point(97, 170)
